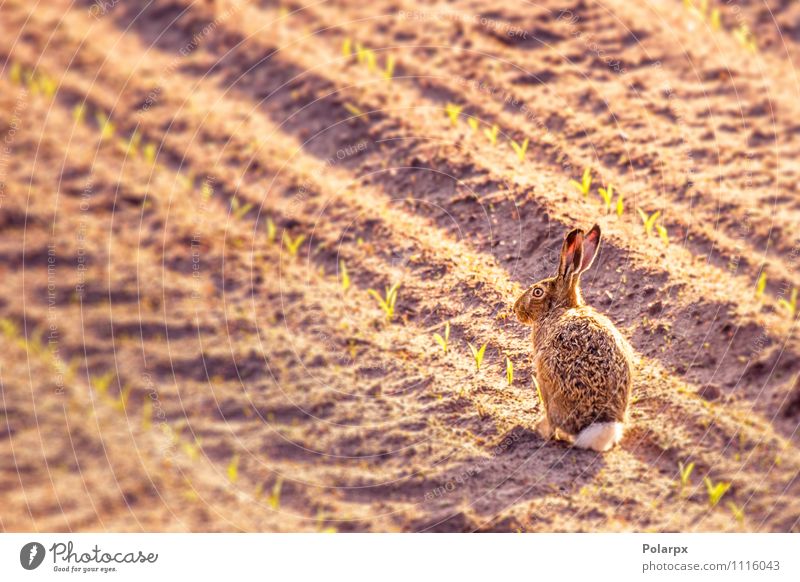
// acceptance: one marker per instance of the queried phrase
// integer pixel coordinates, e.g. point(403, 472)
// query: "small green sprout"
point(715, 491)
point(477, 355)
point(648, 220)
point(607, 194)
point(106, 127)
point(121, 403)
point(102, 383)
point(149, 151)
point(48, 86)
point(746, 37)
point(354, 110)
point(453, 112)
point(791, 305)
point(761, 285)
point(473, 123)
point(388, 70)
point(520, 149)
point(147, 413)
point(509, 371)
point(292, 245)
point(443, 340)
point(685, 473)
point(238, 209)
point(738, 512)
point(274, 498)
point(132, 145)
point(372, 61)
point(662, 233)
point(272, 231)
point(206, 191)
point(15, 73)
point(347, 47)
point(491, 134)
point(388, 302)
point(586, 182)
point(233, 469)
point(345, 276)
point(715, 21)
point(620, 205)
point(360, 53)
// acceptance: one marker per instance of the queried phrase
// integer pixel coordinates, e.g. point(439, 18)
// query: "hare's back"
point(587, 364)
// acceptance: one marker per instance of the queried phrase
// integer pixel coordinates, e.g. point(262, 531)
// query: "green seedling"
point(620, 205)
point(15, 74)
point(388, 302)
point(745, 37)
point(715, 491)
point(491, 134)
point(473, 123)
point(453, 111)
point(121, 403)
point(738, 512)
point(107, 128)
point(132, 145)
point(192, 449)
point(272, 231)
point(443, 340)
point(791, 304)
point(78, 113)
point(648, 221)
point(521, 150)
point(274, 498)
point(345, 276)
point(206, 191)
point(149, 151)
point(477, 355)
point(586, 182)
point(238, 209)
point(761, 285)
point(347, 47)
point(607, 194)
point(662, 233)
point(388, 70)
point(355, 111)
point(372, 61)
point(233, 469)
point(685, 473)
point(715, 20)
point(147, 413)
point(102, 383)
point(509, 371)
point(292, 245)
point(48, 86)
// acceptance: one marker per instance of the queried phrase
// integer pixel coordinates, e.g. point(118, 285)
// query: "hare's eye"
point(538, 292)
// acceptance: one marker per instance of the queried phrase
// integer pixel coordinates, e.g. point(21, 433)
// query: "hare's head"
point(562, 291)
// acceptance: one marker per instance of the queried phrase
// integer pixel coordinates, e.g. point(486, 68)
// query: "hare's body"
point(583, 365)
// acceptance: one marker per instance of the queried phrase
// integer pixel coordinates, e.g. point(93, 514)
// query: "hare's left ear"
point(571, 255)
point(591, 244)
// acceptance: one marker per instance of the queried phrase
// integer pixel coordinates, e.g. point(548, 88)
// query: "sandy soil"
point(169, 363)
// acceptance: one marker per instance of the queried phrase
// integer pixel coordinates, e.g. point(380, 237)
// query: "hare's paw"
point(544, 429)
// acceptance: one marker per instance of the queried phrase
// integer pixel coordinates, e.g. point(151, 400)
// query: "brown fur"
point(583, 364)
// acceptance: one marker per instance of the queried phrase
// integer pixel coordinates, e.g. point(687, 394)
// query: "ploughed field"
point(197, 199)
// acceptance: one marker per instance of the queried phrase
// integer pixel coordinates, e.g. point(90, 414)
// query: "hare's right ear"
point(591, 244)
point(571, 254)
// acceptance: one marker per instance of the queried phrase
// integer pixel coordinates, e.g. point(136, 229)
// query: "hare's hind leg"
point(600, 436)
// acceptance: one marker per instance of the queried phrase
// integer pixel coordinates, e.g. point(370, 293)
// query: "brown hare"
point(582, 363)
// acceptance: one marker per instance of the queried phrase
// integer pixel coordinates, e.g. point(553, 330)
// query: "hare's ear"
point(591, 244)
point(571, 254)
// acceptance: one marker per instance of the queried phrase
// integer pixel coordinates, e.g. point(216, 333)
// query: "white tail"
point(600, 436)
